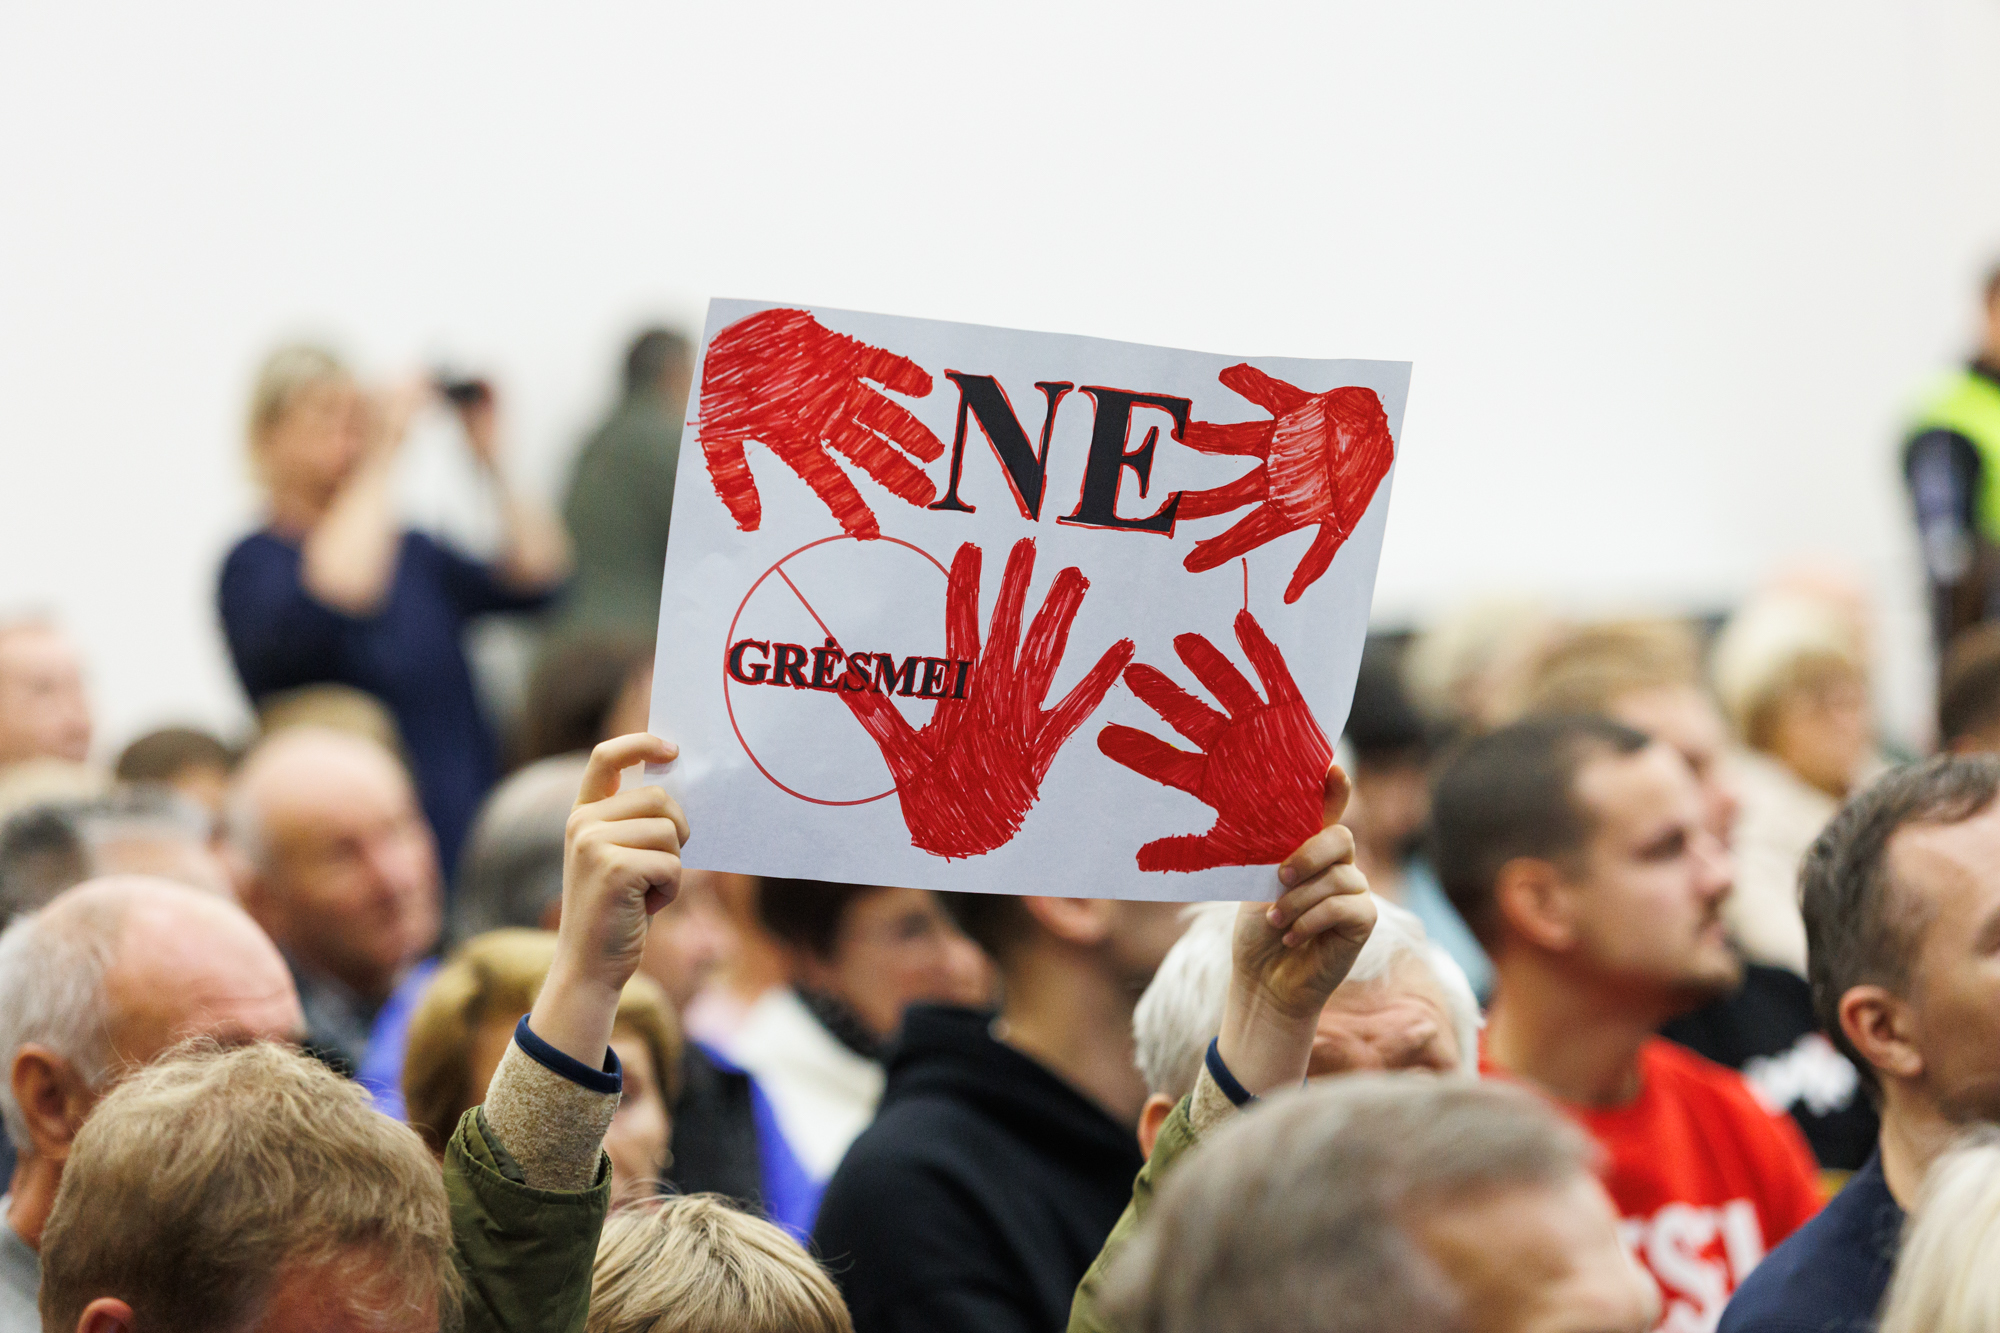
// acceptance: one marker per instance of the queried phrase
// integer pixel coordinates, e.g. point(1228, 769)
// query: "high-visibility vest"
point(1968, 403)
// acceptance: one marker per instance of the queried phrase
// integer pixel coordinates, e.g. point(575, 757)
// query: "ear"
point(1533, 901)
point(107, 1314)
point(1878, 1024)
point(53, 1099)
point(1152, 1117)
point(1081, 921)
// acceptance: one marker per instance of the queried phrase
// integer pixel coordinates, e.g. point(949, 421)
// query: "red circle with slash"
point(730, 685)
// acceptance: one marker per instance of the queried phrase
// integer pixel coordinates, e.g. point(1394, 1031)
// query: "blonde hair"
point(1591, 667)
point(285, 374)
point(1947, 1279)
point(693, 1264)
point(1774, 647)
point(198, 1183)
point(494, 978)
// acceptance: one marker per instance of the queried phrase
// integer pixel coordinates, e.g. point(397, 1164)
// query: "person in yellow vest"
point(1952, 464)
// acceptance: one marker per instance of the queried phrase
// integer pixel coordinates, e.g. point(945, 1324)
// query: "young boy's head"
point(693, 1264)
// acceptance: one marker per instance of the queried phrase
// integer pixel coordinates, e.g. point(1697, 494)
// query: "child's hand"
point(621, 864)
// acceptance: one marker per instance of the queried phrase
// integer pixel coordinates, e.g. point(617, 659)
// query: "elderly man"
point(44, 713)
point(336, 862)
point(102, 980)
point(1405, 1005)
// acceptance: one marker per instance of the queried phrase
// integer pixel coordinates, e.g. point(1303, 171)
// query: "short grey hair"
point(1182, 1007)
point(47, 848)
point(510, 872)
point(1294, 1215)
point(52, 970)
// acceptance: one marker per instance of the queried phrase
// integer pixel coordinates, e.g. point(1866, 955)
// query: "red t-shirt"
point(1706, 1179)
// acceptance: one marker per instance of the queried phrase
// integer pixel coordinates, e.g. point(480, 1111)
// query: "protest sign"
point(973, 608)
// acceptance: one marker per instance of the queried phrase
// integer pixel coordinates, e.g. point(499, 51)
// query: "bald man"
point(335, 861)
point(104, 979)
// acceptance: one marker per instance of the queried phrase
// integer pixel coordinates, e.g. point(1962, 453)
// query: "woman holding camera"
point(334, 590)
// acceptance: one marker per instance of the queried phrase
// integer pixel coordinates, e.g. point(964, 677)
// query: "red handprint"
point(1324, 455)
point(967, 780)
point(782, 378)
point(1262, 767)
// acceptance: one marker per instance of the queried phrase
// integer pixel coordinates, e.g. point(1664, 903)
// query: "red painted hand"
point(781, 378)
point(1262, 768)
point(1324, 455)
point(968, 779)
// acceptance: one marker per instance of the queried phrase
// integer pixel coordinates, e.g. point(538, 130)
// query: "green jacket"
point(1177, 1135)
point(619, 507)
point(524, 1255)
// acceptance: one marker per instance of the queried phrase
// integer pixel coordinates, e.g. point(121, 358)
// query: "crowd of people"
point(1631, 984)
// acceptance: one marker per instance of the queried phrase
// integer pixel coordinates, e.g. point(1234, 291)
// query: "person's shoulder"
point(1693, 1078)
point(1811, 1281)
point(261, 547)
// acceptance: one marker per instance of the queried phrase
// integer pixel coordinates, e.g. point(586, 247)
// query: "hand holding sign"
point(968, 778)
point(1324, 455)
point(781, 378)
point(1262, 765)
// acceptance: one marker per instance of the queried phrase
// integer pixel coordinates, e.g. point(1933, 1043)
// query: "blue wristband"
point(608, 1079)
point(1237, 1094)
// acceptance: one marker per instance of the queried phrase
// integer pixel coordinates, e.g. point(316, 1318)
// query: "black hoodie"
point(979, 1195)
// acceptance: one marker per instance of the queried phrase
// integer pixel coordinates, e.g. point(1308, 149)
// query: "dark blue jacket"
point(1830, 1274)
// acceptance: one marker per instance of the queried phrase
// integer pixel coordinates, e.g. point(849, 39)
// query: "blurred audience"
point(1902, 911)
point(1795, 685)
point(1646, 674)
point(134, 831)
point(757, 963)
point(1949, 464)
point(621, 494)
point(1379, 1204)
point(1464, 666)
point(1404, 1005)
point(511, 871)
point(1946, 1280)
point(587, 689)
point(44, 710)
point(467, 1015)
point(1583, 855)
point(1389, 759)
point(191, 763)
point(1006, 1145)
point(334, 860)
point(1969, 693)
point(857, 956)
point(335, 589)
point(695, 1265)
point(100, 981)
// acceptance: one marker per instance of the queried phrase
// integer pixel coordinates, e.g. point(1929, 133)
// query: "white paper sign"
point(971, 608)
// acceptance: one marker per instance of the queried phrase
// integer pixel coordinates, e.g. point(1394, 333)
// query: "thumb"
point(1334, 795)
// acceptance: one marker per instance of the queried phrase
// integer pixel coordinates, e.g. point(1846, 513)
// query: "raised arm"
point(348, 560)
point(535, 550)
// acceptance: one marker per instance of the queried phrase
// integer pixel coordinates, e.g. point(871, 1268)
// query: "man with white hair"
point(337, 865)
point(1404, 1005)
point(102, 980)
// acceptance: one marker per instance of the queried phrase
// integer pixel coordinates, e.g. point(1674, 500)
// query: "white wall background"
point(1667, 272)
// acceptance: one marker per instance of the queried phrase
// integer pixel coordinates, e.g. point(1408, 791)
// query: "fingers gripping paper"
point(946, 608)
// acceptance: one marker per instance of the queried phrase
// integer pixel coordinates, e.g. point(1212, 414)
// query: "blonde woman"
point(334, 590)
point(1948, 1278)
point(467, 1017)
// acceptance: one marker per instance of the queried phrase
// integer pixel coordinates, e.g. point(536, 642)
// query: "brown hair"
point(494, 978)
point(693, 1264)
point(1969, 685)
point(198, 1183)
point(1862, 928)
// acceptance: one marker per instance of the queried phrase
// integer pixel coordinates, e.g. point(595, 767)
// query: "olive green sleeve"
point(524, 1255)
point(1197, 1113)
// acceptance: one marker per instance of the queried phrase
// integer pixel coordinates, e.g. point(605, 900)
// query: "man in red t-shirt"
point(1578, 851)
